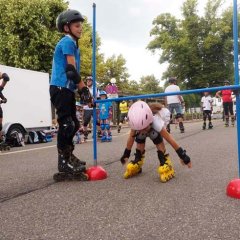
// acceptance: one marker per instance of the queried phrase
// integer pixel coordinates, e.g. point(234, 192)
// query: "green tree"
point(85, 44)
point(115, 67)
point(198, 49)
point(132, 88)
point(28, 32)
point(149, 84)
point(192, 100)
point(29, 36)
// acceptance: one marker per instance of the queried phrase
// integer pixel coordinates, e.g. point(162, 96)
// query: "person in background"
point(175, 102)
point(227, 104)
point(88, 110)
point(79, 114)
point(206, 105)
point(4, 79)
point(105, 115)
point(123, 107)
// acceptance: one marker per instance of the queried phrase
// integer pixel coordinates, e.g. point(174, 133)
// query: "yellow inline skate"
point(135, 167)
point(165, 170)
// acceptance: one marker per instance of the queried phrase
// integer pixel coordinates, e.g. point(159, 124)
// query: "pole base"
point(96, 173)
point(233, 189)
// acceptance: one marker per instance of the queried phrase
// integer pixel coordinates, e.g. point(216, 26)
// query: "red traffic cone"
point(96, 173)
point(233, 189)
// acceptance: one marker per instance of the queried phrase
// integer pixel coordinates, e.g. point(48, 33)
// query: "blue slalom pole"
point(94, 85)
point(184, 92)
point(236, 75)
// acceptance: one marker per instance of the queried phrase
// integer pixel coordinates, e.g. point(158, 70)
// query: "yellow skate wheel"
point(173, 173)
point(140, 163)
point(132, 170)
point(169, 163)
point(163, 169)
point(166, 173)
point(163, 179)
point(126, 175)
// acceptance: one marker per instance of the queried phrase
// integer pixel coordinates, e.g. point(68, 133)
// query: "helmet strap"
point(72, 35)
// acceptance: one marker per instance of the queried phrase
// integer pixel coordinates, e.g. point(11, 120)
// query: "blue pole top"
point(184, 92)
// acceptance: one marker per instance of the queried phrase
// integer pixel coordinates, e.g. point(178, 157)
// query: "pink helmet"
point(139, 116)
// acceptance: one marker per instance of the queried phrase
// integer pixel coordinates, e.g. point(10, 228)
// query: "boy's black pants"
point(65, 103)
point(207, 114)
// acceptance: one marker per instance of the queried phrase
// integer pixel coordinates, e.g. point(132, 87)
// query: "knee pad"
point(179, 115)
point(0, 127)
point(140, 137)
point(155, 136)
point(107, 126)
point(102, 126)
point(68, 126)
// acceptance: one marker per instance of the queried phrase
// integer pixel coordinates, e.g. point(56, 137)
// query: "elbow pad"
point(72, 74)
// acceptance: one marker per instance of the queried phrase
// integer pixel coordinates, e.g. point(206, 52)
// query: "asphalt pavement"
point(193, 205)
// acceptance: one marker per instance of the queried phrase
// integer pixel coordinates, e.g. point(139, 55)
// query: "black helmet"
point(172, 80)
point(68, 17)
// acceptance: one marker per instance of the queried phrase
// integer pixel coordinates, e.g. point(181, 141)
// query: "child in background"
point(105, 114)
point(148, 122)
point(206, 104)
point(123, 107)
point(79, 115)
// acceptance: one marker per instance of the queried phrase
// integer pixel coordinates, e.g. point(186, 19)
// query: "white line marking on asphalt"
point(28, 150)
point(40, 148)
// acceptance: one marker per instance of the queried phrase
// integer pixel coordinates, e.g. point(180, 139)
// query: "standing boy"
point(65, 80)
point(206, 104)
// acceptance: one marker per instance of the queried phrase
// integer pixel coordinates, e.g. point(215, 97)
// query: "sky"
point(124, 28)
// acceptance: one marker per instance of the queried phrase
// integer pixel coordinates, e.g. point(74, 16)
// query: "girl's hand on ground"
point(123, 160)
point(125, 156)
point(185, 159)
point(189, 165)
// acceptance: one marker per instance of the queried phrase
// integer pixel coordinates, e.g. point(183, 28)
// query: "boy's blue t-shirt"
point(104, 110)
point(66, 46)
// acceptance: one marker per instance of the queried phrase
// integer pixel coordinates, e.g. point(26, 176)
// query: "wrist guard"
point(126, 154)
point(182, 155)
